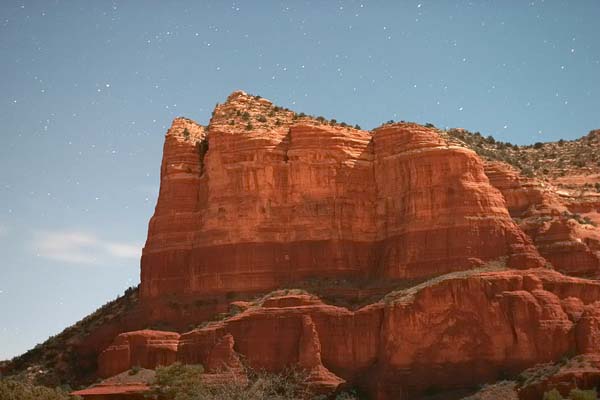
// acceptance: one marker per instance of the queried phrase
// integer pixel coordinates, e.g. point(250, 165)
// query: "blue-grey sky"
point(88, 89)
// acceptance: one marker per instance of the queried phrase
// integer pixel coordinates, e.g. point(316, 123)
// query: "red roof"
point(112, 389)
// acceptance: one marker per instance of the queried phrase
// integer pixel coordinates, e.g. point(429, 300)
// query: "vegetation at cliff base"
point(11, 389)
point(575, 394)
point(185, 382)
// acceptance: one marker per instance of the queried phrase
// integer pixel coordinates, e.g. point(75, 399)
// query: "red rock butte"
point(408, 262)
point(250, 210)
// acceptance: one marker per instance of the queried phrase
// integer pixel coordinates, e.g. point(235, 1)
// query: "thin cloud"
point(124, 250)
point(77, 247)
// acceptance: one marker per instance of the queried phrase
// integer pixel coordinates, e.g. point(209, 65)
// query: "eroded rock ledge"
point(458, 329)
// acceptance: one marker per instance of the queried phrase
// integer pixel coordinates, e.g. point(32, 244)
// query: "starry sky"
point(88, 89)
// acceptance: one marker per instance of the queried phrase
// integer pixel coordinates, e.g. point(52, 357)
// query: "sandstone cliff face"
point(457, 254)
point(565, 239)
point(274, 202)
point(145, 349)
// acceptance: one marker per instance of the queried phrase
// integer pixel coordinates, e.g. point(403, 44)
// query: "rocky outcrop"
point(523, 195)
point(263, 198)
point(146, 349)
point(459, 329)
point(319, 379)
point(568, 241)
point(581, 372)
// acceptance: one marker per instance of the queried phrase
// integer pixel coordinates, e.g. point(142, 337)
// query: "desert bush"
point(553, 395)
point(135, 370)
point(579, 394)
point(183, 382)
point(351, 395)
point(527, 171)
point(13, 390)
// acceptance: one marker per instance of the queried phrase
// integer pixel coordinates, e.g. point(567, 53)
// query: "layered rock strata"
point(570, 242)
point(459, 329)
point(264, 198)
point(250, 206)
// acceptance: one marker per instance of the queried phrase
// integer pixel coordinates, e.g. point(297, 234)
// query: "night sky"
point(88, 89)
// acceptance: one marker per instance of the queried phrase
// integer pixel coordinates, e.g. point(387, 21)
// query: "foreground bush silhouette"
point(184, 382)
point(575, 394)
point(14, 390)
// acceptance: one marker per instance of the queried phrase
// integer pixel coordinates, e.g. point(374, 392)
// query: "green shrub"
point(350, 395)
point(184, 382)
point(179, 382)
point(245, 116)
point(578, 394)
point(261, 118)
point(135, 370)
point(14, 390)
point(249, 126)
point(186, 134)
point(528, 172)
point(553, 395)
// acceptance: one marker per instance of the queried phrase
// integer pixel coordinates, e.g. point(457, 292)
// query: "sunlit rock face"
point(569, 241)
point(262, 197)
point(458, 267)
